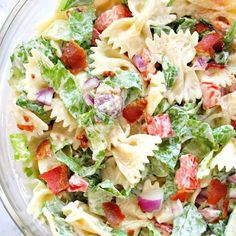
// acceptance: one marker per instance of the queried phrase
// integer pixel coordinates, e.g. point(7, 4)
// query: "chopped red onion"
point(151, 200)
point(138, 61)
point(91, 84)
point(89, 100)
point(45, 96)
point(200, 63)
point(232, 178)
point(210, 214)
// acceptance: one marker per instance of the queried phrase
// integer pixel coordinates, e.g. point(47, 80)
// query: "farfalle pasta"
point(126, 117)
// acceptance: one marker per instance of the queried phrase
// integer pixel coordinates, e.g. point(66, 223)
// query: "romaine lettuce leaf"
point(152, 231)
point(170, 72)
point(183, 23)
point(229, 37)
point(189, 223)
point(77, 165)
point(218, 229)
point(223, 134)
point(168, 152)
point(221, 57)
point(81, 25)
point(204, 167)
point(19, 144)
point(169, 187)
point(157, 168)
point(67, 4)
point(117, 232)
point(159, 29)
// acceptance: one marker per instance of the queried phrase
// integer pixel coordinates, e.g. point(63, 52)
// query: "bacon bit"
point(211, 95)
point(74, 57)
point(108, 74)
point(206, 45)
point(57, 179)
point(83, 140)
point(29, 128)
point(225, 208)
point(186, 175)
point(216, 192)
point(164, 228)
point(95, 36)
point(219, 46)
point(182, 195)
point(214, 65)
point(113, 213)
point(77, 184)
point(26, 118)
point(147, 60)
point(43, 150)
point(201, 28)
point(233, 123)
point(160, 125)
point(33, 76)
point(108, 17)
point(221, 24)
point(134, 110)
point(131, 232)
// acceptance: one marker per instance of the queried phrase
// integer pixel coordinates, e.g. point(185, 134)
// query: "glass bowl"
point(20, 26)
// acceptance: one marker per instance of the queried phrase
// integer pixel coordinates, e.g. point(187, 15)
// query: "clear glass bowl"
point(20, 26)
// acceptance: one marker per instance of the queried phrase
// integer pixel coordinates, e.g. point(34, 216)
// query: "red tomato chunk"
point(77, 184)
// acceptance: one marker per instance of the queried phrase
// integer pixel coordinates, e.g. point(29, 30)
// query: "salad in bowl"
point(126, 117)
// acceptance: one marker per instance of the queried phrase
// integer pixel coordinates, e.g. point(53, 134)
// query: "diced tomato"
point(29, 128)
point(160, 125)
point(186, 175)
point(113, 213)
point(83, 140)
point(214, 65)
point(95, 36)
point(225, 208)
point(216, 192)
point(74, 57)
point(201, 28)
point(77, 184)
point(131, 232)
point(134, 110)
point(211, 95)
point(182, 195)
point(206, 45)
point(57, 179)
point(115, 13)
point(164, 228)
point(43, 150)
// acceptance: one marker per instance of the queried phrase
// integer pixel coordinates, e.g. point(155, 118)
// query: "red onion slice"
point(45, 96)
point(89, 100)
point(200, 63)
point(91, 84)
point(151, 201)
point(232, 178)
point(138, 61)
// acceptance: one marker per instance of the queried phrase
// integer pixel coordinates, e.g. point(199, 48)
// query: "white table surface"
point(7, 226)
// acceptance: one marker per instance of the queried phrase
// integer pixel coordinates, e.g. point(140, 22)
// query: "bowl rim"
point(3, 196)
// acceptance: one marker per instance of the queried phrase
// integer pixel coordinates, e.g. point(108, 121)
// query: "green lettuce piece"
point(183, 23)
point(67, 4)
point(103, 192)
point(158, 168)
point(152, 231)
point(223, 134)
point(117, 232)
point(168, 152)
point(189, 223)
point(77, 165)
point(204, 167)
point(131, 81)
point(81, 24)
point(221, 57)
point(170, 72)
point(218, 229)
point(159, 29)
point(170, 3)
point(229, 37)
point(162, 107)
point(61, 226)
point(25, 103)
point(20, 147)
point(20, 56)
point(169, 187)
point(64, 84)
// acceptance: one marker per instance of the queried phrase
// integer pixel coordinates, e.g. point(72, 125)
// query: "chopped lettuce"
point(131, 81)
point(103, 192)
point(67, 4)
point(81, 25)
point(183, 23)
point(189, 223)
point(169, 187)
point(162, 107)
point(170, 3)
point(77, 164)
point(168, 152)
point(223, 134)
point(117, 232)
point(25, 103)
point(229, 37)
point(152, 231)
point(204, 167)
point(218, 229)
point(159, 29)
point(230, 228)
point(158, 168)
point(170, 72)
point(221, 57)
point(19, 144)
